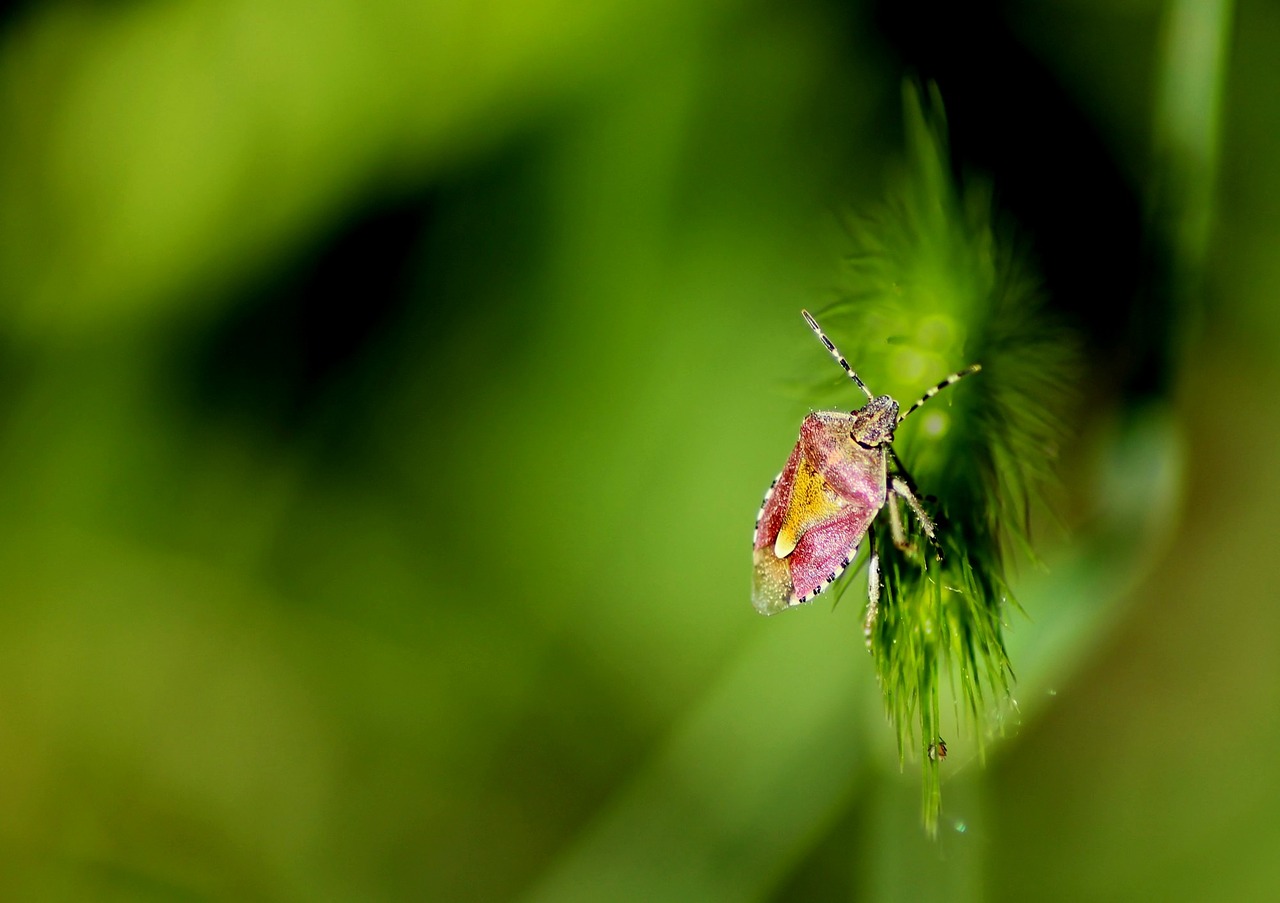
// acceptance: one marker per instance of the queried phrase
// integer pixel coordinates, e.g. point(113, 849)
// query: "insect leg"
point(896, 529)
point(901, 484)
point(903, 488)
point(873, 589)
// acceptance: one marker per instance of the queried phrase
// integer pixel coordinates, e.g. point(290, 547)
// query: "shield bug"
point(841, 472)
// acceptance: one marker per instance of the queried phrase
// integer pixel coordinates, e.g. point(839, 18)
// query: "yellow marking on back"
point(812, 502)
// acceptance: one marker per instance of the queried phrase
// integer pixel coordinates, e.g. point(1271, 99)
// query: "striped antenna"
point(817, 330)
point(953, 378)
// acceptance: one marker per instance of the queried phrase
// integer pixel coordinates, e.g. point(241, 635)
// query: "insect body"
point(835, 482)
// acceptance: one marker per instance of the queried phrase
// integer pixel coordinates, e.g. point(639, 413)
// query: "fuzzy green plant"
point(936, 286)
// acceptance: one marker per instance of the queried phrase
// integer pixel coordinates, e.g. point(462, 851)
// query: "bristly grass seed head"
point(937, 286)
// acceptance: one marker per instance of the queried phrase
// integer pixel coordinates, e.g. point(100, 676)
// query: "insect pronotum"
point(816, 513)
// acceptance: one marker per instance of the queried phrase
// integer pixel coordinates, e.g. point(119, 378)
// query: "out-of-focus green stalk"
point(1186, 136)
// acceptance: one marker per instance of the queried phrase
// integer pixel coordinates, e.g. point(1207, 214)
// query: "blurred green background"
point(386, 395)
